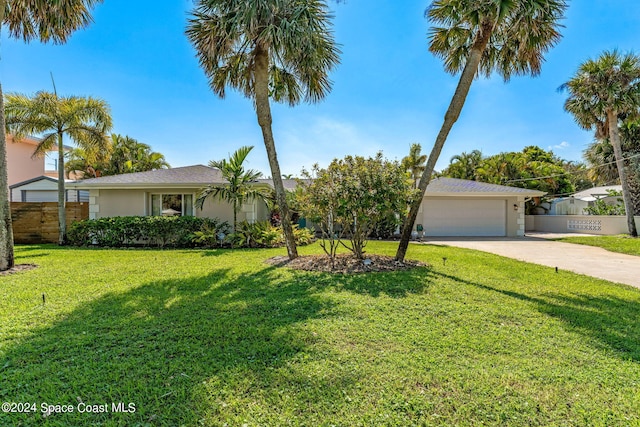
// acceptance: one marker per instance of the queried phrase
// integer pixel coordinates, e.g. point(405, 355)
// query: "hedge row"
point(178, 232)
point(153, 231)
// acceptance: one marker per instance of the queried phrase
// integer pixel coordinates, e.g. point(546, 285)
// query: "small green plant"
point(304, 236)
point(264, 235)
point(602, 207)
point(212, 235)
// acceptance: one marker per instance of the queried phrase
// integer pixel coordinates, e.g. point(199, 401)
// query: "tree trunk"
point(263, 111)
point(62, 213)
point(633, 177)
point(614, 136)
point(450, 117)
point(6, 232)
point(235, 214)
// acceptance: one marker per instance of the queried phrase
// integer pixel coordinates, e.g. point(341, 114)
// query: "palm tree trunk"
point(235, 214)
point(263, 111)
point(6, 232)
point(62, 214)
point(450, 117)
point(614, 136)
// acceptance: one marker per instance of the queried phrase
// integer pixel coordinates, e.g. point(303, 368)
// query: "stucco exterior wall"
point(130, 202)
point(20, 165)
point(586, 224)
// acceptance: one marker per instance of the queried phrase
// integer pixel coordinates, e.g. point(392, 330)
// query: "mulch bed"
point(345, 263)
point(17, 269)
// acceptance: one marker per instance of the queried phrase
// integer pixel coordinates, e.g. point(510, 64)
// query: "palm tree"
point(128, 155)
point(85, 120)
point(45, 21)
point(464, 165)
point(600, 91)
point(482, 37)
point(241, 186)
point(84, 163)
point(281, 49)
point(414, 162)
point(602, 164)
point(124, 155)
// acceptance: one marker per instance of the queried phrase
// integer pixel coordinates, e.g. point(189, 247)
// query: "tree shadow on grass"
point(612, 322)
point(396, 284)
point(177, 349)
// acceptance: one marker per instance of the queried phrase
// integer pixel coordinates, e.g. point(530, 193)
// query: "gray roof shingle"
point(188, 175)
point(463, 186)
point(200, 175)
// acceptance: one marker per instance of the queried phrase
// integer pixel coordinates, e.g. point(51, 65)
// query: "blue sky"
point(388, 92)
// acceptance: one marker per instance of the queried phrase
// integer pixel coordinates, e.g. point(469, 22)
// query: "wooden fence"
point(37, 222)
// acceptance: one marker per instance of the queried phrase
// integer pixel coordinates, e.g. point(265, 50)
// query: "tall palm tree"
point(241, 186)
point(42, 20)
point(602, 164)
point(508, 37)
point(414, 162)
point(279, 49)
point(600, 91)
point(85, 120)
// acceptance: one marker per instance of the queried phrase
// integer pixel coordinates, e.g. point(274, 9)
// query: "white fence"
point(587, 224)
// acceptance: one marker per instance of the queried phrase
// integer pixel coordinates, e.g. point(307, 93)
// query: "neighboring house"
point(44, 189)
point(451, 207)
point(163, 192)
point(576, 203)
point(22, 165)
point(459, 207)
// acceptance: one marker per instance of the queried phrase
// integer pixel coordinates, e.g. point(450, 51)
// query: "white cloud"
point(561, 146)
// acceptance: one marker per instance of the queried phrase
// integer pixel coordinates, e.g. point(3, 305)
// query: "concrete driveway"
point(588, 260)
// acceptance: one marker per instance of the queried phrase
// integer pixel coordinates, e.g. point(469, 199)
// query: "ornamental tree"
point(351, 196)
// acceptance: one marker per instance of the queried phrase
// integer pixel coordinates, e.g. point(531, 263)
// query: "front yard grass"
point(197, 337)
point(623, 243)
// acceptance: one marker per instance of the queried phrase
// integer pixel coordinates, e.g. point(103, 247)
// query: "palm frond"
point(47, 20)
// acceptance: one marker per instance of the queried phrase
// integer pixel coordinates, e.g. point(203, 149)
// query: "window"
point(172, 204)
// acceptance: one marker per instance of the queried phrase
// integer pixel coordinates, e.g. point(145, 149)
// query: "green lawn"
point(219, 338)
point(622, 243)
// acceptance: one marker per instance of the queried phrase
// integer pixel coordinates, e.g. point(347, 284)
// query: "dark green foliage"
point(353, 197)
point(264, 235)
point(532, 168)
point(156, 231)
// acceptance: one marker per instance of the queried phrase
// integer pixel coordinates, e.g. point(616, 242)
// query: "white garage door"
point(465, 217)
point(41, 196)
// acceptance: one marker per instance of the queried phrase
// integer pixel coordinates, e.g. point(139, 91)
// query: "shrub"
point(602, 207)
point(355, 197)
point(264, 235)
point(145, 230)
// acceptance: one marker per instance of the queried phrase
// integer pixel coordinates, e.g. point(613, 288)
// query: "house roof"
point(39, 178)
point(188, 176)
point(289, 184)
point(454, 186)
point(200, 175)
point(591, 194)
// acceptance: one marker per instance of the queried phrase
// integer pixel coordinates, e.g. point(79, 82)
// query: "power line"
point(570, 173)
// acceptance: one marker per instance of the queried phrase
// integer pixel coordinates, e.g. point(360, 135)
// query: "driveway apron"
point(582, 259)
